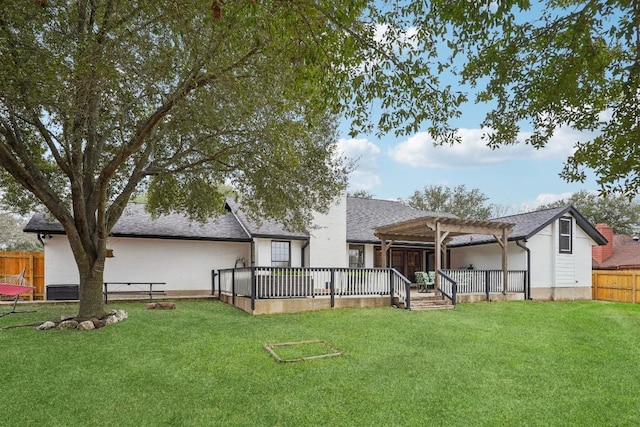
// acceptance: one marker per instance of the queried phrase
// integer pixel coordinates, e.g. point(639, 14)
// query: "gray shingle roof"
point(268, 228)
point(530, 223)
point(364, 215)
point(136, 221)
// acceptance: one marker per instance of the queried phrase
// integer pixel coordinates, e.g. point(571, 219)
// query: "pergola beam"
point(440, 230)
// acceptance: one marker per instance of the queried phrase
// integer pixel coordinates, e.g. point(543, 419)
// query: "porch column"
point(385, 248)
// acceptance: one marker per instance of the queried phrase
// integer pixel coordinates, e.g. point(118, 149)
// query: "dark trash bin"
point(62, 292)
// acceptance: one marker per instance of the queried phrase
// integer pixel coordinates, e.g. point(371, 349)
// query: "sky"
point(518, 177)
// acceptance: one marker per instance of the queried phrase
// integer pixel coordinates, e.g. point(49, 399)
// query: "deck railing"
point(487, 281)
point(274, 282)
point(448, 287)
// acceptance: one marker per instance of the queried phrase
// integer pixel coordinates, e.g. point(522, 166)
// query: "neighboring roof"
point(137, 222)
point(365, 215)
point(626, 254)
point(530, 223)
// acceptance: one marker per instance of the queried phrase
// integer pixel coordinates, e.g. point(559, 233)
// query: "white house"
point(553, 246)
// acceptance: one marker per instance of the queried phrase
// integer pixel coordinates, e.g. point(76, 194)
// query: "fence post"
point(487, 283)
point(332, 286)
point(213, 282)
point(408, 290)
point(253, 289)
point(233, 286)
point(391, 287)
point(454, 293)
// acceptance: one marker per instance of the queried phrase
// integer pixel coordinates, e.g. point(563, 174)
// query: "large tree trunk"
point(91, 297)
point(89, 252)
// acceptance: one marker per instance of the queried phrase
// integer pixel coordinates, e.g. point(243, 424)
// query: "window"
point(280, 254)
point(356, 256)
point(566, 235)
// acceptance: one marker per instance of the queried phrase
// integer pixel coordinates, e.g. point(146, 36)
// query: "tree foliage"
point(620, 213)
point(458, 200)
point(103, 100)
point(12, 238)
point(363, 194)
point(550, 64)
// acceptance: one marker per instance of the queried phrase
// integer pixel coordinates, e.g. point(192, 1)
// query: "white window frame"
point(278, 258)
point(565, 239)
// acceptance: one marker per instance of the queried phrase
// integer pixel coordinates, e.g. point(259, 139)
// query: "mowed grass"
point(203, 364)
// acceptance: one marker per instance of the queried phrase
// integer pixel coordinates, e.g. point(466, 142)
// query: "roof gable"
point(529, 224)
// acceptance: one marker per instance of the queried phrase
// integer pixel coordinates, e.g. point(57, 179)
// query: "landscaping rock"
point(68, 324)
point(46, 326)
point(110, 320)
point(119, 314)
point(86, 325)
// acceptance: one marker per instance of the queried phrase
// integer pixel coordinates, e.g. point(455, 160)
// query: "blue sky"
point(518, 176)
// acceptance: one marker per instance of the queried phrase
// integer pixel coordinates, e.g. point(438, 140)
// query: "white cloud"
point(364, 154)
point(544, 199)
point(419, 150)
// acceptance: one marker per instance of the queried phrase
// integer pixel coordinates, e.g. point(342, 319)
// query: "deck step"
point(430, 303)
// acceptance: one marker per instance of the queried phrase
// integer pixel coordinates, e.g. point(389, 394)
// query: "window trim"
point(360, 249)
point(274, 260)
point(567, 238)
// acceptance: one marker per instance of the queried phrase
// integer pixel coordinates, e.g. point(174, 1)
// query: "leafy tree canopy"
point(103, 100)
point(363, 194)
point(542, 65)
point(620, 213)
point(458, 200)
point(12, 238)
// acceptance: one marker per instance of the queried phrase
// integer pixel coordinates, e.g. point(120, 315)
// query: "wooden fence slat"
point(12, 263)
point(616, 285)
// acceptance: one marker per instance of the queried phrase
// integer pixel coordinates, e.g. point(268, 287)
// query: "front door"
point(407, 261)
point(414, 263)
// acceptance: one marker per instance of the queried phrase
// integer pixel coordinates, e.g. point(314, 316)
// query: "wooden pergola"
point(441, 230)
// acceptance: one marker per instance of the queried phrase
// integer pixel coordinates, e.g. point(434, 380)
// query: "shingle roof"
point(626, 254)
point(137, 222)
point(530, 223)
point(268, 228)
point(364, 215)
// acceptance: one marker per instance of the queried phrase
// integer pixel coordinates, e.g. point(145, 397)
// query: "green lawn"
point(515, 363)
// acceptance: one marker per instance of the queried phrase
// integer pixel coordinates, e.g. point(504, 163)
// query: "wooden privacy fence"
point(616, 285)
point(32, 262)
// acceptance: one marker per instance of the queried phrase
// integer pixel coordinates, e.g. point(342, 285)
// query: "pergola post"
point(438, 229)
point(385, 248)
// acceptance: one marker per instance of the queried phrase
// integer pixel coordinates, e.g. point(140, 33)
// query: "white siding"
point(263, 252)
point(488, 257)
point(182, 264)
point(327, 246)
